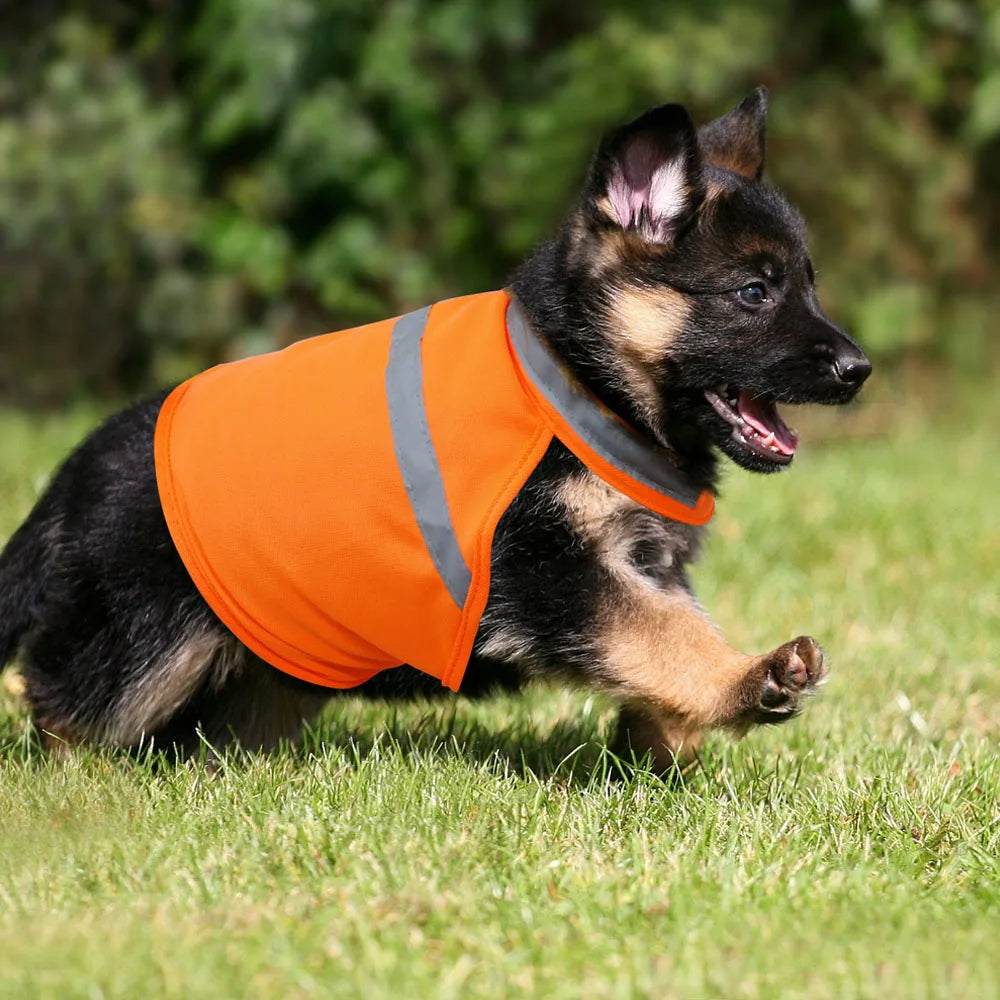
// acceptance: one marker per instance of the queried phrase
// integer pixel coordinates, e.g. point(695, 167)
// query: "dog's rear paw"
point(790, 672)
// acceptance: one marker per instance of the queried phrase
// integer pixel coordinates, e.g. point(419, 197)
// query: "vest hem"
point(194, 562)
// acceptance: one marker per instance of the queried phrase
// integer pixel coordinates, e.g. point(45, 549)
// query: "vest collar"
point(606, 444)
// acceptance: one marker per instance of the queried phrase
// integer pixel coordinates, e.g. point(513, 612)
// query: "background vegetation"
point(183, 182)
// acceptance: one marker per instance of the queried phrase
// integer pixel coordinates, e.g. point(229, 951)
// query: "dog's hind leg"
point(152, 697)
point(204, 688)
point(23, 568)
point(116, 680)
point(668, 741)
point(114, 637)
point(253, 706)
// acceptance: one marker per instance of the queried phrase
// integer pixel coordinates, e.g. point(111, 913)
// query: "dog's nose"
point(852, 368)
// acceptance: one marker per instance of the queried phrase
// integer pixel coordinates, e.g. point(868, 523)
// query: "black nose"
point(852, 368)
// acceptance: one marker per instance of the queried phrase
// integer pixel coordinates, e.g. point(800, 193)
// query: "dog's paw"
point(787, 675)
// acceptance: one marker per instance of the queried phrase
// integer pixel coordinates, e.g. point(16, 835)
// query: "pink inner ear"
point(626, 201)
point(644, 180)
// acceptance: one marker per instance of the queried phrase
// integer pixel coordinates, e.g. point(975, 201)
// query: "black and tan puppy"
point(680, 294)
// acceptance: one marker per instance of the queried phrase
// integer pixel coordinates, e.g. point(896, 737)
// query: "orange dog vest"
point(335, 502)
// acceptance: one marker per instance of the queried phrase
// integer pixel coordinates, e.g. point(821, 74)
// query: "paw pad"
point(791, 672)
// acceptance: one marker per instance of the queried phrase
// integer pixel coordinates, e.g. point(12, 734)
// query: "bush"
point(184, 183)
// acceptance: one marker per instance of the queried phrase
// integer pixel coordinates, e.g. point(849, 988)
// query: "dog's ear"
point(646, 175)
point(736, 140)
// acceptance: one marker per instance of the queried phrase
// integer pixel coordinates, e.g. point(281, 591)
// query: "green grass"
point(479, 850)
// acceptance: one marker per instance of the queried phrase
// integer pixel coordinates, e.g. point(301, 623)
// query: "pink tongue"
point(764, 418)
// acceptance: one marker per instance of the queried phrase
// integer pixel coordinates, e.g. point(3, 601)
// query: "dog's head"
point(697, 276)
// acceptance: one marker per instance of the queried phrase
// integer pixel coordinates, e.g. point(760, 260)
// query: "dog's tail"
point(22, 584)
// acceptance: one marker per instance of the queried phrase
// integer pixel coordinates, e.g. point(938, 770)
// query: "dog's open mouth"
point(756, 423)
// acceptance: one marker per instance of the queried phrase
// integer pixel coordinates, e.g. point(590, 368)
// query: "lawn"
point(462, 850)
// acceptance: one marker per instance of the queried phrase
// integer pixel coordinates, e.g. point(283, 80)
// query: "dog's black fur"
point(680, 272)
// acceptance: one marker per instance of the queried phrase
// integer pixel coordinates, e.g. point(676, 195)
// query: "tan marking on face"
point(644, 322)
point(661, 649)
point(757, 244)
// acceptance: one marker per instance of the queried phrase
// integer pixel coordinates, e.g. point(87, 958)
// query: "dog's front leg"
point(677, 675)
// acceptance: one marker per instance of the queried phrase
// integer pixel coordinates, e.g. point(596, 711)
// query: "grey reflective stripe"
point(612, 439)
point(411, 439)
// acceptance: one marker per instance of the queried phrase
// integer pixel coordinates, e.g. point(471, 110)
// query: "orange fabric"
point(279, 484)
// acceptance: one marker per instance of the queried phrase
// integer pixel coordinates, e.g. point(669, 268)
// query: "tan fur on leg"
point(671, 744)
point(660, 648)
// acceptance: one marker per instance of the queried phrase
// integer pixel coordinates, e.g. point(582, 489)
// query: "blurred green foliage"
point(185, 182)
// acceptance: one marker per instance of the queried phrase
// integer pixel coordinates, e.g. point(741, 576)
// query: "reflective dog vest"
point(335, 502)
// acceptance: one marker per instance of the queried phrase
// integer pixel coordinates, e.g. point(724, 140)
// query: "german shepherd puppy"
point(680, 293)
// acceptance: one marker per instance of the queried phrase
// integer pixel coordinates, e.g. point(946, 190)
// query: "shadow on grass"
point(571, 751)
point(570, 748)
point(567, 749)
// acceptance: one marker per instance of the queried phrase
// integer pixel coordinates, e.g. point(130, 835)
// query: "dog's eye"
point(753, 294)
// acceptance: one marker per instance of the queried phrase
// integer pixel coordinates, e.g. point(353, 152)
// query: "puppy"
point(501, 488)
